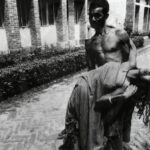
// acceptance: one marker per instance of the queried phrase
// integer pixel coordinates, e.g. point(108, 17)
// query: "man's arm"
point(127, 46)
point(89, 57)
point(132, 54)
point(90, 61)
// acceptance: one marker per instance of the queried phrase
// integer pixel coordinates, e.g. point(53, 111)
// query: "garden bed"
point(24, 55)
point(24, 76)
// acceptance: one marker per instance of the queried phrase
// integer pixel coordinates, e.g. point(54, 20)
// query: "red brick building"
point(35, 23)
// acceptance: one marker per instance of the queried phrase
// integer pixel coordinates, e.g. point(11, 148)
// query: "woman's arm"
point(139, 73)
point(118, 95)
point(112, 114)
point(107, 100)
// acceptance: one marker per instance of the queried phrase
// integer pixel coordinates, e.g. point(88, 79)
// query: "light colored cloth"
point(83, 124)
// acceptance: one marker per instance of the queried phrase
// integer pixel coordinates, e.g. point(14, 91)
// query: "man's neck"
point(100, 31)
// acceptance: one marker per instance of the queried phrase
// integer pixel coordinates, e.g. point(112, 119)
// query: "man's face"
point(97, 18)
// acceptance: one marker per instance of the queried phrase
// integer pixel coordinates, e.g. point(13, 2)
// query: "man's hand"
point(130, 91)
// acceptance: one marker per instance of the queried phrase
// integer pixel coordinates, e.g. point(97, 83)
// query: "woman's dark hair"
point(100, 3)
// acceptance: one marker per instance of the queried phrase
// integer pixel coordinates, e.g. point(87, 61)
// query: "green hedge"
point(25, 55)
point(138, 41)
point(22, 77)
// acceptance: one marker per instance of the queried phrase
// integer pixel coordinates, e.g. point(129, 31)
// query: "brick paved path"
point(32, 121)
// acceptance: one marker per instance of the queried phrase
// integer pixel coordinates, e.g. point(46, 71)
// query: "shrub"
point(31, 54)
point(138, 41)
point(17, 79)
point(136, 33)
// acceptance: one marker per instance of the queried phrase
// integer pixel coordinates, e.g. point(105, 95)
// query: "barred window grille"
point(78, 4)
point(23, 7)
point(146, 19)
point(138, 1)
point(137, 8)
point(147, 2)
point(2, 7)
point(48, 11)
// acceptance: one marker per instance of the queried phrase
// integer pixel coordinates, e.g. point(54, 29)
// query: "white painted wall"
point(117, 13)
point(25, 37)
point(141, 19)
point(48, 35)
point(143, 59)
point(77, 32)
point(3, 41)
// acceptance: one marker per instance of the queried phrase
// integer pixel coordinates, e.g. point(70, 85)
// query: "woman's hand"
point(130, 91)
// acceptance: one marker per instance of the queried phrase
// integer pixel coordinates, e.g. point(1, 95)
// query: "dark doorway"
point(24, 7)
point(2, 7)
point(48, 11)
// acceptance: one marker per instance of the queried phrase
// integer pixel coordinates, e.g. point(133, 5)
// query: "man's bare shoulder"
point(109, 28)
point(120, 33)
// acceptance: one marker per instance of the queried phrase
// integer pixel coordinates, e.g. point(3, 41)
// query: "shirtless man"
point(99, 53)
point(109, 44)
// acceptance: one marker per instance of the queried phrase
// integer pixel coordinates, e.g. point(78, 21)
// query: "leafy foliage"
point(138, 41)
point(25, 55)
point(21, 77)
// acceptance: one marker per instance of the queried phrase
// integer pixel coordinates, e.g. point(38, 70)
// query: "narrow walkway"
point(32, 121)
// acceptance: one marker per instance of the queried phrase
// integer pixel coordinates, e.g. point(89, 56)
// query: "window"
point(147, 2)
point(137, 8)
point(78, 4)
point(138, 1)
point(2, 6)
point(146, 22)
point(23, 12)
point(48, 11)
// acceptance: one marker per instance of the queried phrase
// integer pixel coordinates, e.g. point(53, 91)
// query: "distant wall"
point(117, 13)
point(3, 41)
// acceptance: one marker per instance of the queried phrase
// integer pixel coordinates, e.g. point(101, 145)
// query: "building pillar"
point(71, 22)
point(11, 24)
point(83, 23)
point(130, 14)
point(34, 24)
point(61, 24)
point(141, 19)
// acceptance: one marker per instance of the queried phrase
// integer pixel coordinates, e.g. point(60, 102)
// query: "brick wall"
point(129, 14)
point(71, 22)
point(65, 26)
point(12, 25)
point(84, 22)
point(61, 24)
point(34, 24)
